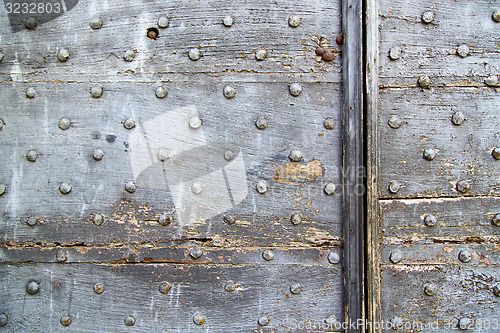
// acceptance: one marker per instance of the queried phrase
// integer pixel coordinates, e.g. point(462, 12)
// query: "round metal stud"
point(394, 122)
point(33, 287)
point(430, 289)
point(30, 23)
point(465, 256)
point(328, 55)
point(328, 123)
point(196, 188)
point(198, 318)
point(464, 324)
point(131, 256)
point(95, 22)
point(394, 186)
point(230, 286)
point(229, 92)
point(463, 186)
point(196, 252)
point(429, 154)
point(3, 319)
point(458, 118)
point(264, 320)
point(430, 220)
point(395, 53)
point(98, 155)
point(228, 155)
point(296, 219)
point(96, 91)
point(396, 257)
point(228, 21)
point(161, 92)
point(339, 40)
point(319, 51)
point(98, 219)
point(129, 55)
point(294, 21)
point(31, 221)
point(98, 288)
point(32, 155)
point(496, 15)
point(163, 154)
point(333, 258)
point(64, 123)
point(194, 54)
point(268, 255)
point(62, 55)
point(491, 81)
point(65, 320)
point(129, 320)
point(295, 155)
point(463, 50)
point(424, 81)
point(153, 33)
point(261, 186)
point(30, 92)
point(496, 289)
point(261, 54)
point(130, 187)
point(2, 189)
point(129, 123)
point(296, 288)
point(164, 219)
point(62, 255)
point(195, 122)
point(163, 21)
point(229, 219)
point(261, 123)
point(496, 153)
point(428, 17)
point(295, 89)
point(65, 187)
point(496, 220)
point(164, 287)
point(330, 188)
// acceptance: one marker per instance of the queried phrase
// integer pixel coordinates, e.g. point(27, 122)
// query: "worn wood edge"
point(373, 276)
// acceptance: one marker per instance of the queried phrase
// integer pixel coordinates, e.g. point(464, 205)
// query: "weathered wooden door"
point(178, 166)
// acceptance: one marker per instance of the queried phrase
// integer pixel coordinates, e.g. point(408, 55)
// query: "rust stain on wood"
point(292, 172)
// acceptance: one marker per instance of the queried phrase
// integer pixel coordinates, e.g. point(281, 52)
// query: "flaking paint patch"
point(292, 172)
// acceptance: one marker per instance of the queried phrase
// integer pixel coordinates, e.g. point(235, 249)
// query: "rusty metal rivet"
point(296, 219)
point(164, 219)
point(496, 153)
point(32, 155)
point(33, 287)
point(295, 155)
point(328, 123)
point(496, 220)
point(463, 186)
point(261, 123)
point(62, 55)
point(424, 81)
point(30, 23)
point(394, 122)
point(295, 89)
point(3, 319)
point(333, 257)
point(458, 118)
point(429, 154)
point(294, 21)
point(196, 188)
point(230, 286)
point(129, 55)
point(464, 324)
point(264, 320)
point(261, 54)
point(163, 154)
point(430, 220)
point(194, 54)
point(340, 40)
point(261, 186)
point(64, 123)
point(130, 187)
point(229, 219)
point(65, 187)
point(319, 51)
point(496, 289)
point(164, 287)
point(2, 189)
point(129, 123)
point(198, 318)
point(229, 92)
point(131, 256)
point(65, 320)
point(98, 155)
point(228, 21)
point(430, 289)
point(153, 33)
point(296, 288)
point(330, 188)
point(95, 22)
point(396, 323)
point(491, 81)
point(395, 53)
point(396, 257)
point(31, 221)
point(463, 50)
point(394, 186)
point(99, 288)
point(96, 91)
point(161, 92)
point(196, 252)
point(428, 17)
point(268, 255)
point(195, 122)
point(62, 255)
point(98, 219)
point(163, 21)
point(228, 155)
point(465, 256)
point(30, 92)
point(129, 320)
point(496, 15)
point(328, 55)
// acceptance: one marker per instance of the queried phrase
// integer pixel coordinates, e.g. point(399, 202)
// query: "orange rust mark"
point(291, 172)
point(448, 249)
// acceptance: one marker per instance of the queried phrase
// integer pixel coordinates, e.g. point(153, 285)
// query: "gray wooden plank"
point(134, 290)
point(463, 152)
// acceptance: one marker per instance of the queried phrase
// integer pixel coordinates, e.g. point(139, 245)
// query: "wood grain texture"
point(133, 290)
